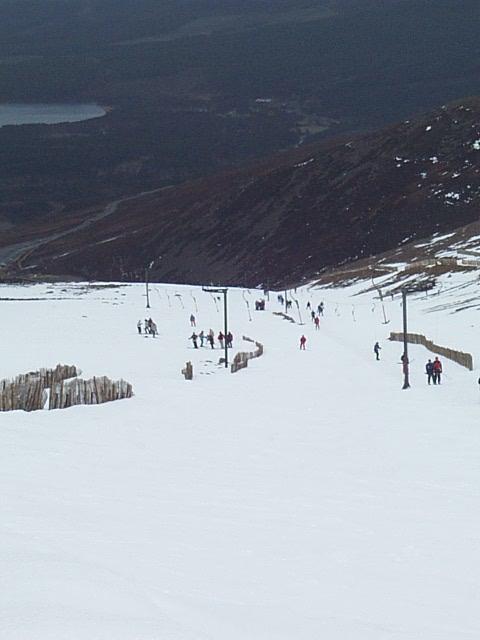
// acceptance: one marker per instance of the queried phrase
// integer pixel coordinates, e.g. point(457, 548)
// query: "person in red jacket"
point(437, 371)
point(302, 342)
point(317, 322)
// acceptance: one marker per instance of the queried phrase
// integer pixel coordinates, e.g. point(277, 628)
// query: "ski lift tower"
point(405, 292)
point(147, 274)
point(223, 290)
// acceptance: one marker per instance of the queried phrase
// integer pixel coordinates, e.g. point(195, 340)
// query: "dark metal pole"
point(225, 315)
point(146, 285)
point(226, 325)
point(406, 381)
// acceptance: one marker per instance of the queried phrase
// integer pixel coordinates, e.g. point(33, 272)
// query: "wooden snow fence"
point(240, 361)
point(461, 358)
point(93, 391)
point(29, 391)
point(284, 316)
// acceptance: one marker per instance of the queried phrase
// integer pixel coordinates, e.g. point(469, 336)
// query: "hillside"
point(193, 88)
point(284, 220)
point(305, 497)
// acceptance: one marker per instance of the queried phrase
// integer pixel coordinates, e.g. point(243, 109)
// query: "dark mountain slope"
point(287, 218)
point(199, 86)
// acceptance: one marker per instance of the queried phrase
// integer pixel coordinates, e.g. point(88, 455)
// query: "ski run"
point(305, 497)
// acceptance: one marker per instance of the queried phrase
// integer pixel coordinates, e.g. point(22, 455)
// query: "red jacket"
point(437, 366)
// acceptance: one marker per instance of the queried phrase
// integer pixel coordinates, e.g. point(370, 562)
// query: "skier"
point(192, 321)
point(229, 339)
point(429, 371)
point(320, 308)
point(211, 340)
point(153, 329)
point(313, 316)
point(220, 338)
point(309, 306)
point(317, 322)
point(376, 350)
point(201, 335)
point(303, 340)
point(139, 327)
point(437, 371)
point(194, 338)
point(146, 326)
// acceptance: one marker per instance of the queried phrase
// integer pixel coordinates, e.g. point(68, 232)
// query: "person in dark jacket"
point(437, 371)
point(376, 350)
point(194, 339)
point(303, 340)
point(429, 371)
point(229, 340)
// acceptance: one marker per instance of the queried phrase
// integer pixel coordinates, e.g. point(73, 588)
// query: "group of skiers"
point(320, 309)
point(433, 369)
point(209, 338)
point(282, 301)
point(149, 327)
point(315, 319)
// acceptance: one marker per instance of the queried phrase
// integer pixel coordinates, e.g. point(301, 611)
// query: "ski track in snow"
point(305, 497)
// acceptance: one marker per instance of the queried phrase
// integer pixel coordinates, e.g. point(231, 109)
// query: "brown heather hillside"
point(284, 220)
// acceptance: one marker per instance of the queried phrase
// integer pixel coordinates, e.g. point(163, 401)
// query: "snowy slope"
point(305, 497)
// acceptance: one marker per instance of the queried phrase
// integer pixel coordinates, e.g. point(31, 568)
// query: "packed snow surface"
point(304, 497)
